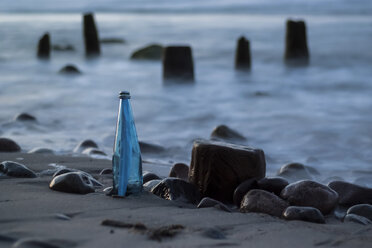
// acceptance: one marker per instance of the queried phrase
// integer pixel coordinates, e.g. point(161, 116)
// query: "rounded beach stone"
point(364, 210)
point(39, 150)
point(106, 171)
point(69, 69)
point(351, 194)
point(43, 51)
point(151, 184)
point(24, 117)
point(224, 132)
point(243, 189)
point(357, 219)
point(207, 202)
point(8, 145)
point(148, 176)
point(84, 145)
point(243, 54)
point(72, 182)
point(272, 184)
point(178, 63)
point(294, 172)
point(150, 52)
point(304, 213)
point(93, 151)
point(177, 189)
point(311, 194)
point(150, 148)
point(14, 169)
point(260, 201)
point(180, 170)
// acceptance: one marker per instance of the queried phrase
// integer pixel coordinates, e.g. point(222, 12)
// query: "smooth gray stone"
point(151, 184)
point(24, 117)
point(364, 210)
point(150, 148)
point(39, 150)
point(69, 69)
point(357, 219)
point(272, 184)
point(14, 169)
point(180, 170)
point(84, 145)
point(260, 201)
point(150, 52)
point(148, 176)
point(243, 189)
point(309, 214)
point(72, 182)
point(308, 193)
point(93, 151)
point(95, 182)
point(294, 172)
point(8, 145)
point(225, 132)
point(207, 202)
point(351, 194)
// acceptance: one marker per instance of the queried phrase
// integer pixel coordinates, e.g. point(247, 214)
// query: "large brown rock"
point(218, 168)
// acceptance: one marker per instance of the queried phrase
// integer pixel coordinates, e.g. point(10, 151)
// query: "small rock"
point(106, 171)
point(39, 150)
point(68, 170)
point(243, 189)
point(224, 132)
point(308, 193)
point(72, 182)
point(24, 117)
point(84, 145)
point(207, 202)
point(351, 194)
point(14, 169)
point(357, 219)
point(112, 41)
point(261, 201)
point(69, 70)
point(148, 176)
point(150, 184)
point(304, 213)
point(63, 48)
point(150, 148)
point(180, 170)
point(150, 52)
point(274, 184)
point(93, 151)
point(177, 189)
point(8, 145)
point(294, 172)
point(364, 210)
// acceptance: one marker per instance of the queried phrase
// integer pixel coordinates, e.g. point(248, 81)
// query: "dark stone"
point(274, 184)
point(39, 150)
point(69, 70)
point(148, 176)
point(24, 117)
point(150, 52)
point(72, 182)
point(214, 233)
point(351, 194)
point(68, 170)
point(217, 168)
point(243, 54)
point(93, 151)
point(178, 63)
point(84, 145)
point(309, 214)
point(92, 46)
point(177, 189)
point(150, 148)
point(207, 202)
point(8, 145)
point(106, 171)
point(14, 169)
point(294, 172)
point(43, 51)
point(261, 201)
point(357, 219)
point(243, 189)
point(150, 184)
point(296, 50)
point(63, 171)
point(63, 48)
point(180, 170)
point(112, 41)
point(308, 193)
point(224, 132)
point(364, 210)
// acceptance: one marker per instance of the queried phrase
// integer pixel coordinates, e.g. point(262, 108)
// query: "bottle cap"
point(124, 95)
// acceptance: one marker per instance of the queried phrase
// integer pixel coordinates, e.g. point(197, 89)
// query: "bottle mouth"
point(124, 95)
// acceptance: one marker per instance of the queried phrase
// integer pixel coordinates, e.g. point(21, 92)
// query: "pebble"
point(93, 151)
point(294, 172)
point(351, 194)
point(69, 70)
point(260, 201)
point(39, 150)
point(14, 169)
point(272, 184)
point(225, 132)
point(68, 170)
point(150, 148)
point(72, 182)
point(25, 117)
point(180, 170)
point(308, 193)
point(148, 176)
point(243, 189)
point(8, 145)
point(150, 184)
point(207, 202)
point(364, 210)
point(84, 145)
point(177, 189)
point(357, 219)
point(309, 214)
point(150, 52)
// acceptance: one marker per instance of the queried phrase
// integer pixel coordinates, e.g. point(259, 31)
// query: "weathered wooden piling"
point(92, 45)
point(43, 50)
point(296, 49)
point(243, 54)
point(178, 63)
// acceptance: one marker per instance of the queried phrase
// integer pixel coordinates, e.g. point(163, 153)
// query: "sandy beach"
point(30, 210)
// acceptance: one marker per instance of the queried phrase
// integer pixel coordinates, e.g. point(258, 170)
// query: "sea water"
point(319, 115)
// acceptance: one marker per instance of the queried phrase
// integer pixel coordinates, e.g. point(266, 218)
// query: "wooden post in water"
point(296, 49)
point(178, 63)
point(43, 49)
point(243, 54)
point(92, 45)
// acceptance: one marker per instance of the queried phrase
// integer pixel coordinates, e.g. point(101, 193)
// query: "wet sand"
point(30, 210)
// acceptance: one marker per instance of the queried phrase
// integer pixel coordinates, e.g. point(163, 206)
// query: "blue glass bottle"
point(126, 161)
